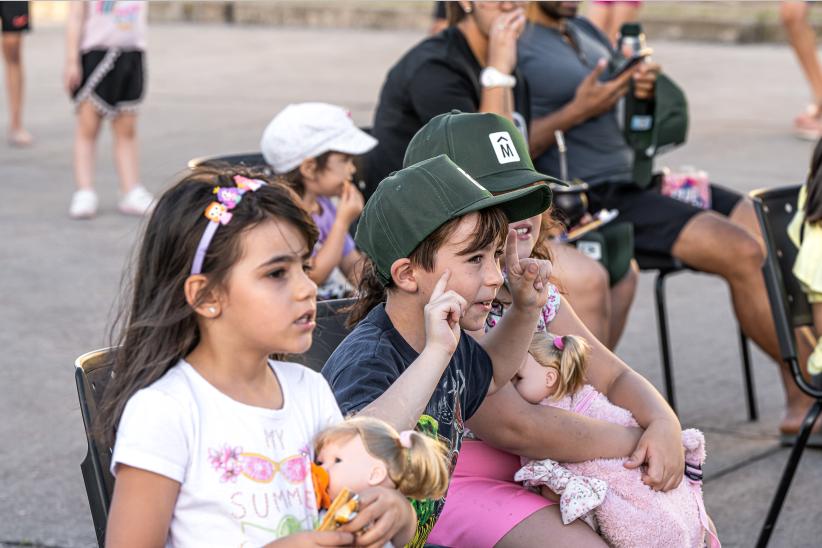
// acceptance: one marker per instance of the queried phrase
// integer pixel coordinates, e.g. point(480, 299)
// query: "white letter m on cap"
point(504, 147)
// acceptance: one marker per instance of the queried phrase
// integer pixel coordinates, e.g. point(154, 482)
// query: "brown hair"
point(454, 13)
point(419, 472)
point(570, 362)
point(492, 226)
point(155, 326)
point(813, 201)
point(294, 178)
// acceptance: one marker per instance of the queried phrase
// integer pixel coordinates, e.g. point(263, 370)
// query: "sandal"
point(814, 440)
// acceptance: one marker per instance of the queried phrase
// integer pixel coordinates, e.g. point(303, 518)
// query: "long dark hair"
point(492, 226)
point(155, 326)
point(813, 203)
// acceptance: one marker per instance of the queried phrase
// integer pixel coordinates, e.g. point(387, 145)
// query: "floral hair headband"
point(559, 344)
point(219, 213)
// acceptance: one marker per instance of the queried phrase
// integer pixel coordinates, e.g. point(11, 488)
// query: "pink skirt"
point(483, 502)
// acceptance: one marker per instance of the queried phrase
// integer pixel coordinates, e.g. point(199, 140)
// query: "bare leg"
point(728, 247)
point(622, 12)
point(12, 42)
point(545, 528)
point(584, 283)
point(794, 17)
point(622, 297)
point(126, 151)
point(85, 144)
point(600, 16)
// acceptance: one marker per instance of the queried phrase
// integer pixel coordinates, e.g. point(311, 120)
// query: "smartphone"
point(630, 63)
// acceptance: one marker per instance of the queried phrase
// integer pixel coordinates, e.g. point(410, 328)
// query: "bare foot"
point(792, 421)
point(20, 138)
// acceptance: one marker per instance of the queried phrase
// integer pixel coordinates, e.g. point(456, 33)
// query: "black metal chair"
point(330, 332)
point(91, 375)
point(790, 308)
point(665, 266)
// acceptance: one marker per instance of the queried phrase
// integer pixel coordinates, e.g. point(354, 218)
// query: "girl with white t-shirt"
point(212, 438)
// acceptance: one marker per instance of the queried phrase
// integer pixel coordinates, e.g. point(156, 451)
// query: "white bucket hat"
point(307, 130)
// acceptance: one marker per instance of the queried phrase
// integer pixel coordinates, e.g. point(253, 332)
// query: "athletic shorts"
point(112, 80)
point(657, 219)
point(15, 16)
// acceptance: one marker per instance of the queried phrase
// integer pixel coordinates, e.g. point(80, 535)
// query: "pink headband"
point(219, 213)
point(405, 438)
point(559, 344)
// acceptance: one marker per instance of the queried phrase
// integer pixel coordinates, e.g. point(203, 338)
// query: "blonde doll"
point(629, 513)
point(364, 452)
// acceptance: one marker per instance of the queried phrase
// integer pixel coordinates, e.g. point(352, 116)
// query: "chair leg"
point(788, 473)
point(750, 392)
point(664, 348)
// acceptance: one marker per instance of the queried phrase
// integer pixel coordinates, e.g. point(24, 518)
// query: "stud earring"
point(469, 9)
point(212, 309)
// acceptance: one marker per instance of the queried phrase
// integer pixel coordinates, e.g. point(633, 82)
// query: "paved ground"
point(212, 90)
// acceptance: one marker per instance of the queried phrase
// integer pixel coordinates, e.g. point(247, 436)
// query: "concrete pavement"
point(212, 89)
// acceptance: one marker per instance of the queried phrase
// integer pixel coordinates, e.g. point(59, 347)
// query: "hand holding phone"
point(630, 63)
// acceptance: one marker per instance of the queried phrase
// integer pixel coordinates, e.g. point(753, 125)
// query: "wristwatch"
point(493, 78)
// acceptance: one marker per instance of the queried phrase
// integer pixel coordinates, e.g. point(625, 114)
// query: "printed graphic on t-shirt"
point(125, 14)
point(272, 495)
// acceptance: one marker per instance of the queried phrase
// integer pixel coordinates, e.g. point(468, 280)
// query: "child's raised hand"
point(351, 203)
point(442, 316)
point(528, 278)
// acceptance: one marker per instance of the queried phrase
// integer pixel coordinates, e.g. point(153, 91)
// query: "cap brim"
point(354, 141)
point(506, 181)
point(517, 204)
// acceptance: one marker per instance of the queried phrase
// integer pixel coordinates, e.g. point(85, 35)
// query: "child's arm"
point(508, 422)
point(74, 25)
point(330, 253)
point(404, 401)
point(661, 444)
point(141, 508)
point(507, 344)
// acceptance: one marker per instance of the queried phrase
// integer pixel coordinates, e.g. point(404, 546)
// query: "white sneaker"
point(83, 204)
point(138, 201)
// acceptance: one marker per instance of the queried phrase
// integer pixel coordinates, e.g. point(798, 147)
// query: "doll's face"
point(349, 465)
point(533, 381)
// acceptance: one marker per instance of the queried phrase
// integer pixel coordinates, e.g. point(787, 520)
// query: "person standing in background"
point(15, 21)
point(104, 75)
point(801, 36)
point(609, 15)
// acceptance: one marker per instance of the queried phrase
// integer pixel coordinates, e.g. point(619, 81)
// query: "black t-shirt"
point(437, 75)
point(374, 355)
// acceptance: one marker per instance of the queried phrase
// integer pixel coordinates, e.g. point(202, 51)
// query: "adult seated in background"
point(562, 57)
point(471, 66)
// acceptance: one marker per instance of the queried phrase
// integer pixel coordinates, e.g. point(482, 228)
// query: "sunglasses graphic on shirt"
point(233, 463)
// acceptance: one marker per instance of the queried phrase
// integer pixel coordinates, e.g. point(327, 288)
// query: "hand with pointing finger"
point(528, 278)
point(442, 317)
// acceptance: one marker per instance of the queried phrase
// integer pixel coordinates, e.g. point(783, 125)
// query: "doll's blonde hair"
point(419, 472)
point(570, 361)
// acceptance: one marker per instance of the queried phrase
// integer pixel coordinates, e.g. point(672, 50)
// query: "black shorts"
point(15, 16)
point(657, 219)
point(112, 80)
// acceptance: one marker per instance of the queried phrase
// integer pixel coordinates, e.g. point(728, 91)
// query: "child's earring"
point(212, 310)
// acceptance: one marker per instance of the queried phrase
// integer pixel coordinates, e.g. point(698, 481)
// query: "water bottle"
point(630, 41)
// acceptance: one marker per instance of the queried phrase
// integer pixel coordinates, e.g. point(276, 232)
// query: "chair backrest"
point(249, 159)
point(91, 375)
point(330, 332)
point(789, 305)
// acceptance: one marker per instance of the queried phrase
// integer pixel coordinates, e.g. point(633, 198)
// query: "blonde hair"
point(419, 472)
point(570, 362)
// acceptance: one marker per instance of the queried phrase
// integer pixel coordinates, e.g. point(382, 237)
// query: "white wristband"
point(493, 78)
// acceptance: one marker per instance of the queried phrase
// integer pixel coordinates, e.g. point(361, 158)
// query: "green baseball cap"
point(488, 146)
point(413, 202)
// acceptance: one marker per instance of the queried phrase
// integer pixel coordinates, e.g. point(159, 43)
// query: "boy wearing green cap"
point(433, 238)
point(473, 141)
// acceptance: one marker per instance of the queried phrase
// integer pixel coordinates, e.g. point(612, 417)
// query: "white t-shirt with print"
point(244, 471)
